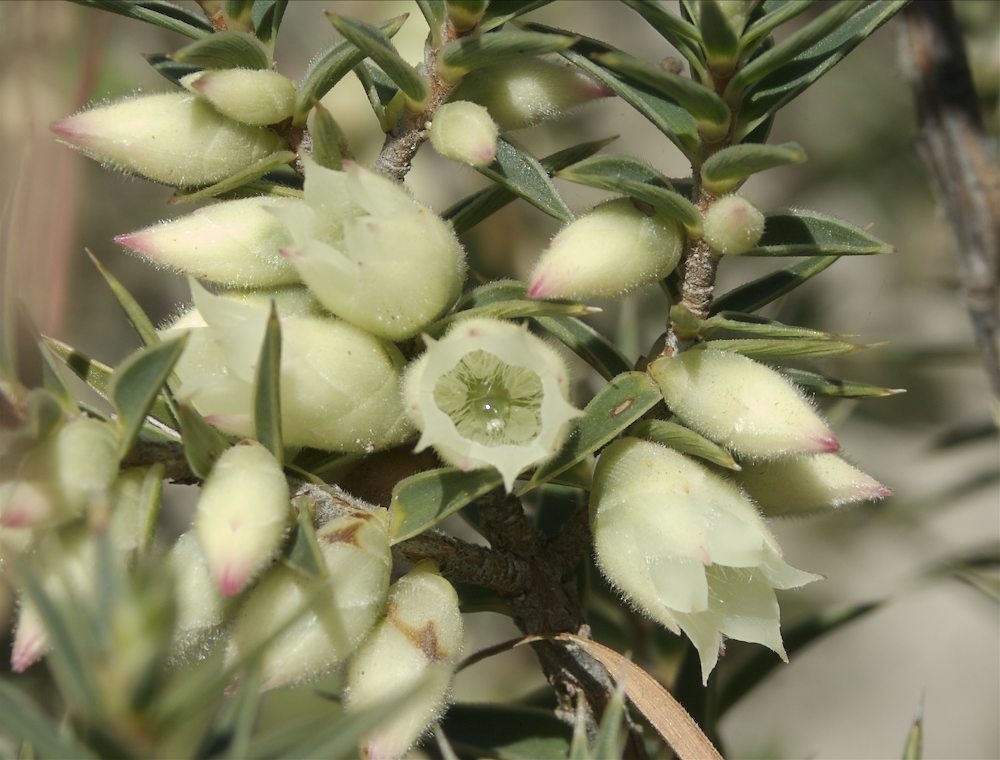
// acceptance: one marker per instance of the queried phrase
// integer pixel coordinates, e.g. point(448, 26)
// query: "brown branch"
point(958, 158)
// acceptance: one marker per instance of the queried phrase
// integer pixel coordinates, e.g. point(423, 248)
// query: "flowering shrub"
point(347, 377)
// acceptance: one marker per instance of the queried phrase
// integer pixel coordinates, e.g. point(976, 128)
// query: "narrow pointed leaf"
point(267, 16)
point(682, 34)
point(159, 13)
point(150, 500)
point(719, 40)
point(761, 29)
point(469, 211)
point(170, 69)
point(787, 348)
point(374, 44)
point(684, 440)
point(224, 50)
point(664, 713)
point(513, 309)
point(434, 14)
point(610, 739)
point(727, 169)
point(267, 389)
point(304, 555)
point(797, 232)
point(736, 321)
point(823, 385)
point(138, 381)
point(329, 148)
point(423, 500)
point(676, 123)
point(133, 311)
point(523, 175)
point(25, 354)
point(330, 66)
point(25, 720)
point(584, 341)
point(506, 731)
point(913, 747)
point(615, 407)
point(479, 51)
point(704, 105)
point(762, 291)
point(255, 171)
point(379, 89)
point(500, 12)
point(203, 444)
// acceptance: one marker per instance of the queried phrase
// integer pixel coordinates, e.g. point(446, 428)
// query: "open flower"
point(490, 394)
point(370, 253)
point(688, 548)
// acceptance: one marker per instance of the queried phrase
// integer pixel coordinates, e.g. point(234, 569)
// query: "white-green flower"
point(371, 254)
point(490, 394)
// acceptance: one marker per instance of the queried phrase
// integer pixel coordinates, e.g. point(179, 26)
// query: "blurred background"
point(934, 642)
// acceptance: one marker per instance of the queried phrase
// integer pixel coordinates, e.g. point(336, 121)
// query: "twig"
point(958, 158)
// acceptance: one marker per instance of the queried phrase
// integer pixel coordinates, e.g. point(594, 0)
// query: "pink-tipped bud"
point(464, 131)
point(607, 252)
point(741, 404)
point(175, 138)
point(732, 225)
point(31, 640)
point(249, 96)
point(199, 606)
point(234, 243)
point(242, 515)
point(808, 484)
point(420, 639)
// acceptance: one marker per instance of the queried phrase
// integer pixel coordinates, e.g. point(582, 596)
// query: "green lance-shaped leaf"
point(787, 82)
point(253, 172)
point(719, 40)
point(304, 555)
point(170, 69)
point(772, 18)
point(434, 14)
point(610, 739)
point(224, 50)
point(673, 121)
point(423, 500)
point(629, 176)
point(620, 403)
point(511, 732)
point(203, 444)
point(760, 292)
point(727, 169)
point(148, 503)
point(24, 720)
point(787, 348)
point(584, 341)
point(137, 382)
point(523, 175)
point(736, 321)
point(330, 66)
point(478, 51)
point(159, 13)
point(133, 311)
point(380, 91)
point(682, 34)
point(267, 389)
point(267, 16)
point(371, 41)
point(797, 232)
point(823, 385)
point(329, 147)
point(513, 309)
point(684, 440)
point(500, 12)
point(708, 109)
point(469, 211)
point(913, 747)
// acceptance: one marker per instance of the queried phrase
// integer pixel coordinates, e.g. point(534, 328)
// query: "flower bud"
point(327, 402)
point(332, 614)
point(741, 404)
point(687, 548)
point(249, 96)
point(242, 515)
point(808, 484)
point(490, 394)
point(529, 91)
point(464, 131)
point(732, 225)
point(609, 251)
point(234, 243)
point(173, 138)
point(371, 254)
point(199, 607)
point(420, 639)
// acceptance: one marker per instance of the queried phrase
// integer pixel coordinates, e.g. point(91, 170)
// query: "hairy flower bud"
point(420, 639)
point(732, 225)
point(371, 254)
point(529, 91)
point(175, 138)
point(741, 404)
point(234, 243)
point(327, 401)
point(687, 548)
point(464, 131)
point(249, 96)
point(331, 614)
point(242, 514)
point(199, 606)
point(610, 250)
point(808, 484)
point(490, 394)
